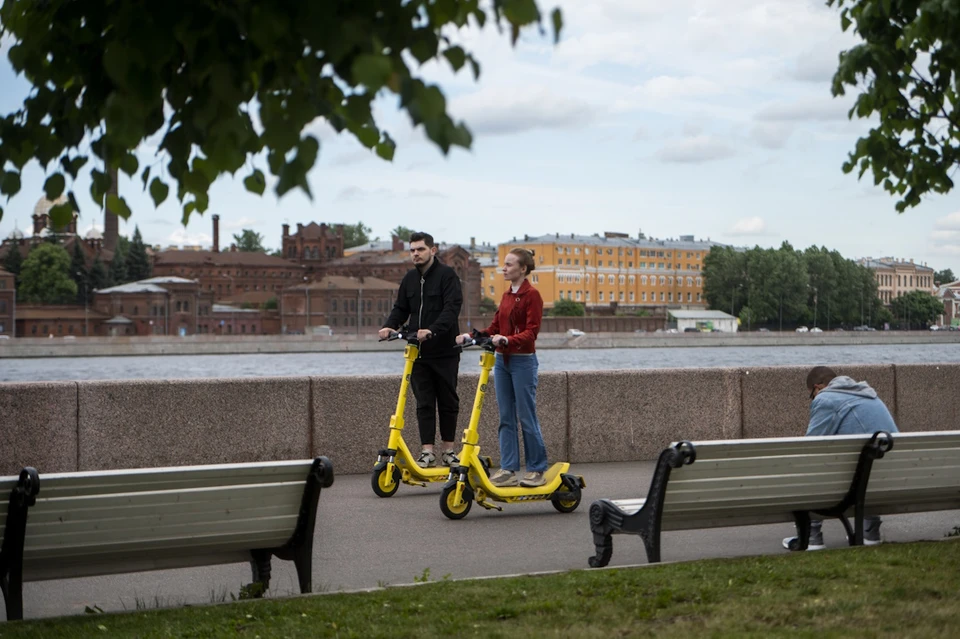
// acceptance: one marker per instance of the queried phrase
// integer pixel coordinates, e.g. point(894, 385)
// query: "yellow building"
point(614, 269)
point(897, 277)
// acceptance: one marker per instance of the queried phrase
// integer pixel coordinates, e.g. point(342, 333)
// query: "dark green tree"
point(13, 262)
point(99, 278)
point(45, 277)
point(916, 309)
point(249, 241)
point(567, 308)
point(906, 72)
point(271, 304)
point(402, 233)
point(138, 262)
point(198, 75)
point(118, 267)
point(487, 306)
point(355, 234)
point(944, 277)
point(78, 272)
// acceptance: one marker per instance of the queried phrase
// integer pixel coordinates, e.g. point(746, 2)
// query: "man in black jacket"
point(428, 302)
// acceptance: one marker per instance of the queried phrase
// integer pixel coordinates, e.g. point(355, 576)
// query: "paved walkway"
point(363, 541)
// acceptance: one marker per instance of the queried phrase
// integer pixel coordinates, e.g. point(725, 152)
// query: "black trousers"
point(434, 383)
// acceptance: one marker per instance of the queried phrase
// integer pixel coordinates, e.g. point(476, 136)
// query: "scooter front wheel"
point(448, 505)
point(568, 502)
point(379, 481)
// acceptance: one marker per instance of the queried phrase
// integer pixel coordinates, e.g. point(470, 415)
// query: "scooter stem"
point(410, 354)
point(471, 436)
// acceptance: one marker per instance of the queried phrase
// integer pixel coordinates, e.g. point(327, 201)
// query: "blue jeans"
point(516, 385)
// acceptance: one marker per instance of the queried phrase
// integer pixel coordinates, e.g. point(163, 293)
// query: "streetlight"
point(86, 321)
point(306, 287)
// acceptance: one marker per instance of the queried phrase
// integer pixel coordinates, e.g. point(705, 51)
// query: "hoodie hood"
point(847, 386)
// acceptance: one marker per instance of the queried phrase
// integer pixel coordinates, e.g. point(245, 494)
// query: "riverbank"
point(242, 344)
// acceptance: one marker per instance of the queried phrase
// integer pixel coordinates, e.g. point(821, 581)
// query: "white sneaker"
point(426, 459)
point(504, 478)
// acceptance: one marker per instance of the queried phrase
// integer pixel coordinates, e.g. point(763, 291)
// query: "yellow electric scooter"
point(470, 481)
point(395, 464)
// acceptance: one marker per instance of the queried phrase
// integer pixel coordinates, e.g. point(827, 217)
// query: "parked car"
point(803, 329)
point(764, 330)
point(4, 337)
point(575, 332)
point(934, 327)
point(816, 329)
point(691, 329)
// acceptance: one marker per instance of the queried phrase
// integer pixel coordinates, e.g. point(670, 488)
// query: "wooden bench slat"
point(129, 562)
point(80, 542)
point(149, 480)
point(172, 512)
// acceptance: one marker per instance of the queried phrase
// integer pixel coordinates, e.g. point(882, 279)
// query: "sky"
point(689, 117)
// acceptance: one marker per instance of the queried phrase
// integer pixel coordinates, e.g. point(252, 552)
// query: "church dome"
point(44, 232)
point(93, 234)
point(44, 205)
point(15, 234)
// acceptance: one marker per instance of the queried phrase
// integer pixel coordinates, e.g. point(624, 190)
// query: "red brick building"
point(312, 245)
point(156, 306)
point(232, 276)
point(8, 303)
point(58, 320)
point(348, 305)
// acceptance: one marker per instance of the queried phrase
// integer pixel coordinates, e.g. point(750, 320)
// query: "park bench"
point(713, 484)
point(78, 524)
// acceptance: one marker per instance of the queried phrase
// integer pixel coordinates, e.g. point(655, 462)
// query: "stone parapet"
point(586, 416)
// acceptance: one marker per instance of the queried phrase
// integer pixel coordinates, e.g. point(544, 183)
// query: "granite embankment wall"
point(28, 347)
point(586, 416)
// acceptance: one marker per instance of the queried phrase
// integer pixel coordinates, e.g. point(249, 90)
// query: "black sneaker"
point(815, 543)
point(871, 534)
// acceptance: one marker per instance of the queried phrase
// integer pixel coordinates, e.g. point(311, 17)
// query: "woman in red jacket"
point(514, 329)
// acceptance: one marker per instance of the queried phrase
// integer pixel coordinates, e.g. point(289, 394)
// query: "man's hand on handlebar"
point(385, 333)
point(424, 334)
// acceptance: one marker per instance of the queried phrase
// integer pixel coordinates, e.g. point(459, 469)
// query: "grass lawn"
point(894, 590)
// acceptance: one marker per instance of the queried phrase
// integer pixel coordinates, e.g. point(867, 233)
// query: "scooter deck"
point(508, 494)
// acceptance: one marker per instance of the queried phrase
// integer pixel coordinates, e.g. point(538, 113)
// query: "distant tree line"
point(816, 286)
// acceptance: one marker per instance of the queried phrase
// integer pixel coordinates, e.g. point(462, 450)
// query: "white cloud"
point(949, 222)
point(749, 226)
point(695, 150)
point(516, 109)
point(241, 223)
point(665, 87)
point(181, 237)
point(771, 135)
point(809, 108)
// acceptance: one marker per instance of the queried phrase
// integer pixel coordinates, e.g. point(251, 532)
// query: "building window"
point(699, 281)
point(643, 296)
point(643, 280)
point(621, 296)
point(578, 296)
point(600, 295)
point(631, 296)
point(661, 296)
point(621, 280)
point(492, 292)
point(670, 297)
point(560, 294)
point(688, 297)
point(600, 279)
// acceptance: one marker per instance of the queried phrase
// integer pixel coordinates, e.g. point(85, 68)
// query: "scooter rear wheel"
point(566, 504)
point(447, 505)
point(378, 481)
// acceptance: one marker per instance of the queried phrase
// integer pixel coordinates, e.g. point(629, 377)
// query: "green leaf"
point(557, 17)
point(475, 66)
point(118, 206)
point(456, 57)
point(53, 187)
point(73, 166)
point(520, 12)
point(386, 148)
point(255, 182)
point(61, 215)
point(99, 185)
point(158, 191)
point(10, 184)
point(372, 71)
point(129, 164)
point(368, 136)
point(145, 176)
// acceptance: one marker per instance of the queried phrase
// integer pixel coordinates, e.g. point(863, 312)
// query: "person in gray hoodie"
point(841, 406)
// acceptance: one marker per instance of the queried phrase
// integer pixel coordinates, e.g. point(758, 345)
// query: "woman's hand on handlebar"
point(499, 340)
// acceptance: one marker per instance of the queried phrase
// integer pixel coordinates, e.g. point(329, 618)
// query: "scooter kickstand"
point(490, 506)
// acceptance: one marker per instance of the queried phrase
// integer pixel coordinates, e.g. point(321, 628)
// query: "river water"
point(390, 361)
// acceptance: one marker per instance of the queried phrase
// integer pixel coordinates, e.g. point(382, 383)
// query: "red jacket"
point(518, 319)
